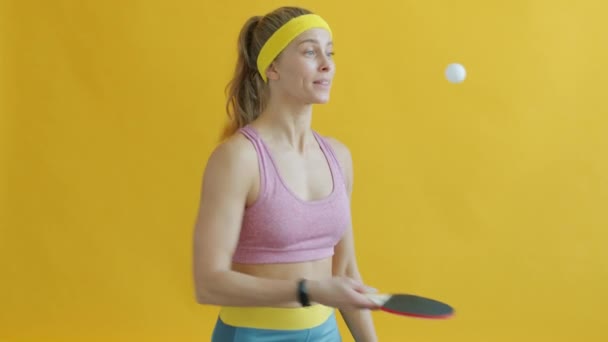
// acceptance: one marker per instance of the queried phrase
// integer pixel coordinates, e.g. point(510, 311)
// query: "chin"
point(320, 98)
point(317, 97)
point(323, 100)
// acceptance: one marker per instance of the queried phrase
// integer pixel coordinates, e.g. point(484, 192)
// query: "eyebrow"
point(311, 40)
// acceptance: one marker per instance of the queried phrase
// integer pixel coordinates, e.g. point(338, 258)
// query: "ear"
point(272, 73)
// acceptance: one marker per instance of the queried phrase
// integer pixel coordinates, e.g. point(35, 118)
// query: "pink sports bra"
point(280, 227)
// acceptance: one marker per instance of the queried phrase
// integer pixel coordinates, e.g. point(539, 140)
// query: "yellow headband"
point(284, 35)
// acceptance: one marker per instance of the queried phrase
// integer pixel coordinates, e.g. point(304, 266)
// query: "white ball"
point(455, 73)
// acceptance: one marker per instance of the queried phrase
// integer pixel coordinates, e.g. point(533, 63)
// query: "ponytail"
point(246, 90)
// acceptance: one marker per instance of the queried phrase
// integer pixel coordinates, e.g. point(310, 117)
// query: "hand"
point(341, 292)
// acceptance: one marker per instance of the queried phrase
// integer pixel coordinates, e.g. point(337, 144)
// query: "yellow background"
point(490, 194)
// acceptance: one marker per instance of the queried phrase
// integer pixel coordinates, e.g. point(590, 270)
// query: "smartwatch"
point(303, 293)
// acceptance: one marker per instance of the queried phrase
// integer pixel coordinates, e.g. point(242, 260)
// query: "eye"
point(309, 52)
point(331, 54)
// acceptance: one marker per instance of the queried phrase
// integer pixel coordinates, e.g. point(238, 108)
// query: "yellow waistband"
point(276, 318)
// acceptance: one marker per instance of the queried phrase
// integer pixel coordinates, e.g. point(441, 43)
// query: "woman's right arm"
point(226, 183)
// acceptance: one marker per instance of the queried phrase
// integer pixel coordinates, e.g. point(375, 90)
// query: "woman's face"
point(304, 70)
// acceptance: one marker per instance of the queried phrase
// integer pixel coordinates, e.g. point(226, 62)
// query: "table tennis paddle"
point(411, 305)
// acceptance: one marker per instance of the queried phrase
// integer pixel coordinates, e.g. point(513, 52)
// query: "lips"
point(322, 82)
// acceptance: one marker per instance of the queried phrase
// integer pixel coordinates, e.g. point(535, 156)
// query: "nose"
point(326, 64)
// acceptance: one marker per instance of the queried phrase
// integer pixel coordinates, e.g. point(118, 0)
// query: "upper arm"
point(344, 260)
point(225, 186)
point(345, 160)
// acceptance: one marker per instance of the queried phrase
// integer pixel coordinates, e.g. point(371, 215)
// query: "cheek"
point(305, 68)
point(298, 71)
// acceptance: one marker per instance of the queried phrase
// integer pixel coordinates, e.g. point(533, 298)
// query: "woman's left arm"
point(359, 322)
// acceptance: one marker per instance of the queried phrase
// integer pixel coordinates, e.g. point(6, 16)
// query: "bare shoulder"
point(344, 157)
point(339, 147)
point(230, 164)
point(236, 151)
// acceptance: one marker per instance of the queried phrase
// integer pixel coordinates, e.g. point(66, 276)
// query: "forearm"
point(358, 321)
point(360, 324)
point(231, 288)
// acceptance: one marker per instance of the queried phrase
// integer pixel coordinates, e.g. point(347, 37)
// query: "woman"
point(273, 242)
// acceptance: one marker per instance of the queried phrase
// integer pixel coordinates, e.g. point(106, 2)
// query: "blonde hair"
point(247, 92)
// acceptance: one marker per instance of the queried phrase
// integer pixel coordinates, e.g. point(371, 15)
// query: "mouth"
point(322, 82)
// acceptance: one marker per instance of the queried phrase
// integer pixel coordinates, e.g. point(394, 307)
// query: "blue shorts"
point(325, 332)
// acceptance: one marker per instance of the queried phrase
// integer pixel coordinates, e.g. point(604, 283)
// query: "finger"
point(369, 289)
point(362, 288)
point(365, 302)
point(369, 304)
point(353, 282)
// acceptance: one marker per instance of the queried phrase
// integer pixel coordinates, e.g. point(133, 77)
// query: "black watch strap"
point(303, 293)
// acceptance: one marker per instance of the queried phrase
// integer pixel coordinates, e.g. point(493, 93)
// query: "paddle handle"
point(378, 298)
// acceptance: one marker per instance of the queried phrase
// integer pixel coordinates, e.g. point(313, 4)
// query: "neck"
point(287, 124)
